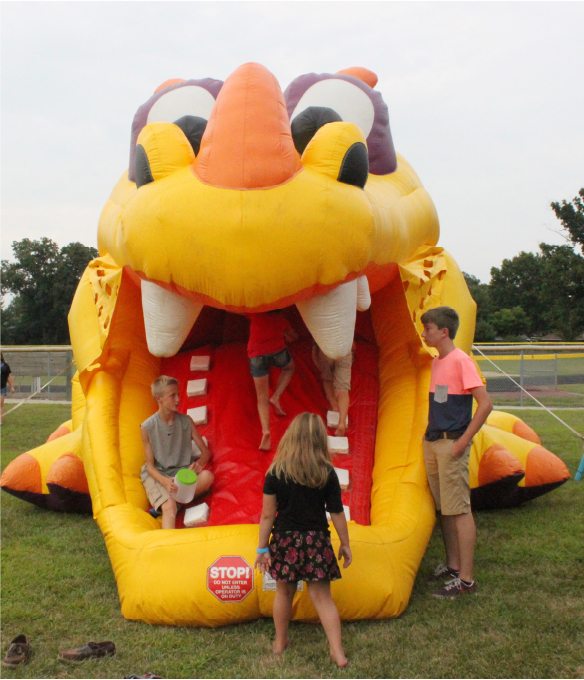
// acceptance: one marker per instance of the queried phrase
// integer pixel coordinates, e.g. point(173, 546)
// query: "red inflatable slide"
point(233, 428)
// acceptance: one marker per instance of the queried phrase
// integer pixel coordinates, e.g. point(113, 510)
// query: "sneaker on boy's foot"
point(441, 573)
point(455, 588)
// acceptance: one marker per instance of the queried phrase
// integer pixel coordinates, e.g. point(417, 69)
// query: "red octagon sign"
point(230, 578)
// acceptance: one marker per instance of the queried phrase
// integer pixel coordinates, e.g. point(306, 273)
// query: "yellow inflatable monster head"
point(246, 199)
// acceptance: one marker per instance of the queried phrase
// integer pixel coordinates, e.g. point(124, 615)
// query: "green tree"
point(484, 331)
point(511, 323)
point(518, 283)
point(563, 291)
point(41, 281)
point(571, 215)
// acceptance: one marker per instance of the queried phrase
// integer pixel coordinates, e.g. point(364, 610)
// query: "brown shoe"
point(92, 650)
point(18, 652)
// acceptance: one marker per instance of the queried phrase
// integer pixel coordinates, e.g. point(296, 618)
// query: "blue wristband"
point(262, 550)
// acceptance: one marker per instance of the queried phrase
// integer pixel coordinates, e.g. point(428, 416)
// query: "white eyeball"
point(190, 100)
point(350, 102)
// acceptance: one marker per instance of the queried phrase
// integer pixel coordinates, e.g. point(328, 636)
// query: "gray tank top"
point(171, 445)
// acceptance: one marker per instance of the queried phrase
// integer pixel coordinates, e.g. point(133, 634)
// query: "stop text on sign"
point(230, 578)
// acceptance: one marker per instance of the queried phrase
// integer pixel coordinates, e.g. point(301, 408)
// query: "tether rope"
point(580, 471)
point(20, 403)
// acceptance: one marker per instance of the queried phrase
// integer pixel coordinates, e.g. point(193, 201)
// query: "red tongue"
point(247, 143)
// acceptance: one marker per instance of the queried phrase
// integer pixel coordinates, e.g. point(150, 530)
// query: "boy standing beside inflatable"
point(451, 427)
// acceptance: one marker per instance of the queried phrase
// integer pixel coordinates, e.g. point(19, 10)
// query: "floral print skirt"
point(303, 556)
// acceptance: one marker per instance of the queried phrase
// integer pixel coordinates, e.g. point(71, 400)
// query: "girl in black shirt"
point(6, 380)
point(301, 485)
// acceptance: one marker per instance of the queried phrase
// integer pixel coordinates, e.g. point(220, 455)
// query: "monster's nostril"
point(355, 166)
point(142, 167)
point(193, 127)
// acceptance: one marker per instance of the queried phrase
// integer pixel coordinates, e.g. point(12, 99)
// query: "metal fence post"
point(69, 377)
point(521, 379)
point(556, 373)
point(49, 374)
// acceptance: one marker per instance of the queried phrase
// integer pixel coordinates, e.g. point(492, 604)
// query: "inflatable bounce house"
point(239, 199)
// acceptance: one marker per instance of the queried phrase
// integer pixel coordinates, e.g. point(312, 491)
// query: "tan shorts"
point(337, 371)
point(448, 477)
point(157, 494)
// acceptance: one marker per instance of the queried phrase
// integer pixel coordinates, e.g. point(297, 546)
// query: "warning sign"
point(230, 578)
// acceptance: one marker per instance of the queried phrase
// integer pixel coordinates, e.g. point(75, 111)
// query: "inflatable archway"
point(239, 199)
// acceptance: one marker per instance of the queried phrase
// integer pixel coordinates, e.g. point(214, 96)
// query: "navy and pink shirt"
point(451, 383)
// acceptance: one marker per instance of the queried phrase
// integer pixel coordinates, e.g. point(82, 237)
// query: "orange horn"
point(248, 143)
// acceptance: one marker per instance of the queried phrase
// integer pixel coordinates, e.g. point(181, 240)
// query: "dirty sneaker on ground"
point(18, 652)
point(92, 650)
point(455, 588)
point(441, 573)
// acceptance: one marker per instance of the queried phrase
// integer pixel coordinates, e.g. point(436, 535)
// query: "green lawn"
point(527, 621)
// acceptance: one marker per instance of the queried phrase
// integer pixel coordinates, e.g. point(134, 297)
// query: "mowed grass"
point(526, 622)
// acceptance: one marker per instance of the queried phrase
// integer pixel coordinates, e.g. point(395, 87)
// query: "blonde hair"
point(159, 386)
point(303, 456)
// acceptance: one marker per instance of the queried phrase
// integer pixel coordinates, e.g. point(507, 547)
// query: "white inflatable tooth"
point(168, 318)
point(330, 318)
point(363, 294)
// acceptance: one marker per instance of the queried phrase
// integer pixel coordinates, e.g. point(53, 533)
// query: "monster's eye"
point(307, 123)
point(190, 100)
point(355, 166)
point(193, 127)
point(347, 100)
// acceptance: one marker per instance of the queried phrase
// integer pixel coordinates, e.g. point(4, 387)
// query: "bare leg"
point(320, 594)
point(262, 386)
point(343, 399)
point(2, 411)
point(329, 390)
point(466, 534)
point(169, 510)
point(450, 536)
point(282, 614)
point(204, 481)
point(283, 381)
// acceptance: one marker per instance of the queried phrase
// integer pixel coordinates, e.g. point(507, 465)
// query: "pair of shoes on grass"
point(92, 650)
point(146, 675)
point(20, 651)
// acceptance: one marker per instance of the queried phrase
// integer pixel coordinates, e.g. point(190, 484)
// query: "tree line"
point(535, 294)
point(532, 294)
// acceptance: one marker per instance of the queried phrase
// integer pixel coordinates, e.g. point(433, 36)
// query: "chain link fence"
point(34, 367)
point(553, 373)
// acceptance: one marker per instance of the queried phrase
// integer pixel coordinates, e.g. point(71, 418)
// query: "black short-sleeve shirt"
point(302, 508)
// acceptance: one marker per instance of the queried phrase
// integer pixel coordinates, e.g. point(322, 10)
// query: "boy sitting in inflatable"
point(167, 437)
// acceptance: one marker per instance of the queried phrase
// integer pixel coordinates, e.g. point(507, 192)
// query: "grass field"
point(526, 622)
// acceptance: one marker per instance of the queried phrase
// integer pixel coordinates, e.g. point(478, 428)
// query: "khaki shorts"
point(337, 371)
point(448, 477)
point(157, 494)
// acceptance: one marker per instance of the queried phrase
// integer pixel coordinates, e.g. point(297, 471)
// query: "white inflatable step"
point(338, 444)
point(198, 414)
point(332, 419)
point(200, 363)
point(198, 514)
point(346, 510)
point(343, 476)
point(196, 388)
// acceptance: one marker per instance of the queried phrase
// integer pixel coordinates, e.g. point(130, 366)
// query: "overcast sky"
point(486, 101)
